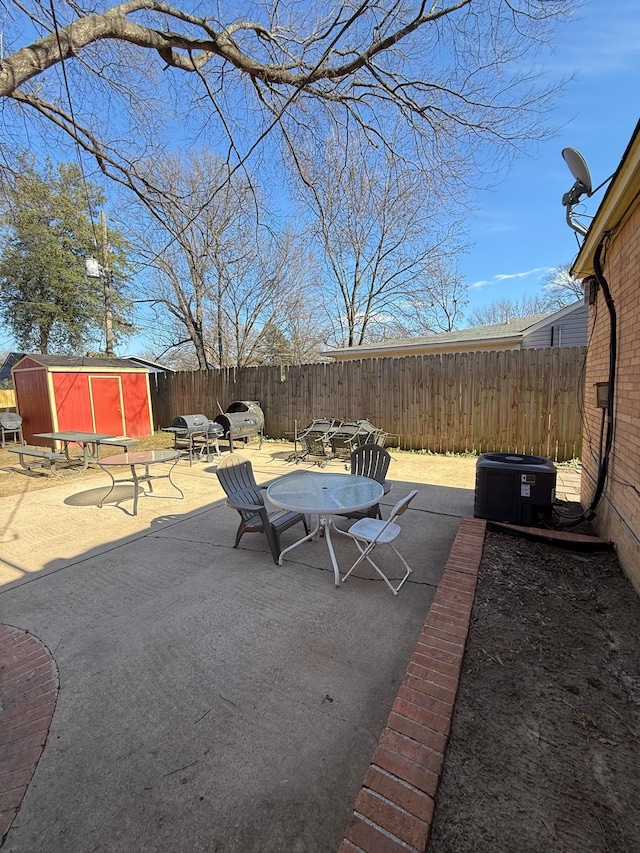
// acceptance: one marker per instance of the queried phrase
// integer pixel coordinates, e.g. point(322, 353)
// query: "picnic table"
point(88, 441)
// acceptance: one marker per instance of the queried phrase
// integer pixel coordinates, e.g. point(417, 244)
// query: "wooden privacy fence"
point(7, 398)
point(521, 401)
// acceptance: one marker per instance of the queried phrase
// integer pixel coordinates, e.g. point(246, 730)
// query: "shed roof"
point(71, 362)
point(154, 366)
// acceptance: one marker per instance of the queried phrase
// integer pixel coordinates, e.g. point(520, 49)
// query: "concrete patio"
point(210, 700)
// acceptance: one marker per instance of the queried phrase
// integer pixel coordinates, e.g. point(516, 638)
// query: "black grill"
point(188, 429)
point(215, 429)
point(190, 424)
point(243, 419)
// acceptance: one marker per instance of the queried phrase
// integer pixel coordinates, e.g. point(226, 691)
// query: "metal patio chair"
point(370, 532)
point(244, 495)
point(315, 440)
point(345, 439)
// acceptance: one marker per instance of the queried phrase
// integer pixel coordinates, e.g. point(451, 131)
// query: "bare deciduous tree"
point(453, 76)
point(220, 274)
point(381, 232)
point(437, 304)
point(503, 310)
point(189, 243)
point(561, 287)
point(264, 290)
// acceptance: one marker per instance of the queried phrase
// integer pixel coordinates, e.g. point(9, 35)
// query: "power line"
point(73, 118)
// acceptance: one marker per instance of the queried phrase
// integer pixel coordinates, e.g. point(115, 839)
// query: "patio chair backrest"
point(10, 420)
point(253, 501)
point(235, 474)
point(401, 506)
point(370, 460)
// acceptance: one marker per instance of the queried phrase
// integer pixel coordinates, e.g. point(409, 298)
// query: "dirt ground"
point(544, 753)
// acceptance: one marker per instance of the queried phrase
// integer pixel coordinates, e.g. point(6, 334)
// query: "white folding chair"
point(369, 532)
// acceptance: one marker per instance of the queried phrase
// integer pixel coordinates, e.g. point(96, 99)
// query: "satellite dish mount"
point(582, 186)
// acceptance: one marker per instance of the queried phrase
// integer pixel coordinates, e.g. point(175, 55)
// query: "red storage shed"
point(59, 392)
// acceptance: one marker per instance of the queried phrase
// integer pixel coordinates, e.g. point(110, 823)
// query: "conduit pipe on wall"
point(603, 467)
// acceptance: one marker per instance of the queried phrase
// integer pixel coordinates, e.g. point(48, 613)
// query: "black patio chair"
point(244, 495)
point(236, 474)
point(344, 440)
point(371, 460)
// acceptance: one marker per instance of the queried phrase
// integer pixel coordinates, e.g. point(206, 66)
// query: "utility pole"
point(106, 283)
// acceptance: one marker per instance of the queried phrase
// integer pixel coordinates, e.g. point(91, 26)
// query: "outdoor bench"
point(118, 442)
point(46, 457)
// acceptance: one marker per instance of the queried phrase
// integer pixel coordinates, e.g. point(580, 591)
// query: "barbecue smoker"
point(195, 433)
point(242, 420)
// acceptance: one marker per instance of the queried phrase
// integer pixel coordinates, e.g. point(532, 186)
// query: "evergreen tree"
point(46, 299)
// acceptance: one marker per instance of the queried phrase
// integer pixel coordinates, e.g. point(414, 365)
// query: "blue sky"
point(518, 229)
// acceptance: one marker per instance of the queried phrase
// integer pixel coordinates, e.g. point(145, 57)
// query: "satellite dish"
point(579, 169)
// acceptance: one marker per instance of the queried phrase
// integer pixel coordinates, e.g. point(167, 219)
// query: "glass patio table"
point(144, 459)
point(324, 495)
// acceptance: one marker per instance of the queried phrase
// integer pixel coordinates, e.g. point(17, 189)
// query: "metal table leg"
point(325, 522)
point(137, 481)
point(307, 538)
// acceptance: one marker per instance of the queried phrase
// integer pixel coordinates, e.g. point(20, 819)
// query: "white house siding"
point(567, 331)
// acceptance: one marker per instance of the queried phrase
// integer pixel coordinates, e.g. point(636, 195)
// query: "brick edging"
point(28, 693)
point(394, 809)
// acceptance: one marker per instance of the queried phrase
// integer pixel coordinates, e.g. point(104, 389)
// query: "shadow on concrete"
point(92, 497)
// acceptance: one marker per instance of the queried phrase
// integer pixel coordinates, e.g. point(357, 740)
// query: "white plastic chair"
point(369, 532)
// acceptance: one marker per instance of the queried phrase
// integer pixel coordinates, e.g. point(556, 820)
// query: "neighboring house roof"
point(154, 366)
point(11, 359)
point(616, 205)
point(509, 335)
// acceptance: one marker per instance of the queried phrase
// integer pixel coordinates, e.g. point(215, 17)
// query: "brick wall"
point(618, 515)
point(394, 809)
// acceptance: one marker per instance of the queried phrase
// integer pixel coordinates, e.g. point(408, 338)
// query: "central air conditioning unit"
point(515, 488)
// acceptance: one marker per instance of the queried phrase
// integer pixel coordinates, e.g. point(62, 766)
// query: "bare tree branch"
point(337, 55)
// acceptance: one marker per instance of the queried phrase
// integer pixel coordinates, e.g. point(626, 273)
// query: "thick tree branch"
point(191, 52)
